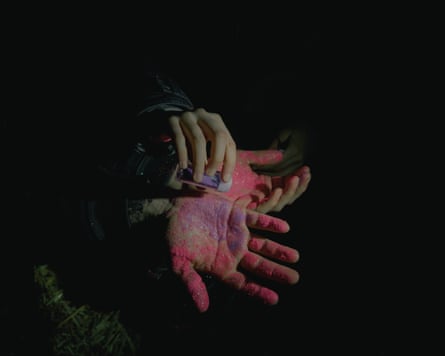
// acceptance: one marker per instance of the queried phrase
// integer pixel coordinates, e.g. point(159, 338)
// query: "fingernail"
point(227, 177)
point(211, 172)
point(197, 177)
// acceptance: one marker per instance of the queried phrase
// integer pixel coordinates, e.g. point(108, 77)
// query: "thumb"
point(197, 289)
point(193, 281)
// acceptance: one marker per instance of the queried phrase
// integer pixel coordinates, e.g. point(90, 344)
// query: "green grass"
point(78, 329)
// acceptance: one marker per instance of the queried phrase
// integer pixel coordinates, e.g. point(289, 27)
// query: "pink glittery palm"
point(265, 193)
point(210, 234)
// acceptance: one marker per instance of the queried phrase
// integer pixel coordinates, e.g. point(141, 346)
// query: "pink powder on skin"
point(192, 219)
point(237, 233)
point(196, 287)
point(244, 179)
point(206, 220)
point(223, 263)
point(236, 280)
point(263, 156)
point(266, 295)
point(211, 218)
point(272, 249)
point(267, 222)
point(198, 291)
point(269, 269)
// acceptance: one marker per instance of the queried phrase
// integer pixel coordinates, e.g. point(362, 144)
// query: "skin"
point(210, 234)
point(293, 144)
point(265, 193)
point(192, 131)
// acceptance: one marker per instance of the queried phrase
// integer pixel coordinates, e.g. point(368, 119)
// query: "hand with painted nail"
point(266, 193)
point(192, 131)
point(209, 234)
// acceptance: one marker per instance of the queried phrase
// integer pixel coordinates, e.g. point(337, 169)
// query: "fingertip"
point(305, 170)
point(202, 306)
point(210, 171)
point(227, 177)
point(226, 172)
point(197, 176)
point(286, 227)
point(271, 298)
point(289, 255)
point(280, 226)
point(295, 278)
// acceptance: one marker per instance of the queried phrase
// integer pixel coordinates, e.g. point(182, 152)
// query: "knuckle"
point(231, 144)
point(221, 135)
point(180, 140)
point(173, 119)
point(198, 138)
point(188, 116)
point(216, 116)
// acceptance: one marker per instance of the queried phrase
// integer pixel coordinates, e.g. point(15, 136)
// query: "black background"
point(344, 74)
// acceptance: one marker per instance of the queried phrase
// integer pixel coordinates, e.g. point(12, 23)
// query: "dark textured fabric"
point(160, 92)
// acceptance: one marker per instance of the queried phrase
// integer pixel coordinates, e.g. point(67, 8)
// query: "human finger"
point(263, 157)
point(179, 138)
point(197, 143)
point(266, 222)
point(269, 269)
point(238, 281)
point(222, 148)
point(290, 188)
point(305, 178)
point(271, 201)
point(193, 281)
point(274, 250)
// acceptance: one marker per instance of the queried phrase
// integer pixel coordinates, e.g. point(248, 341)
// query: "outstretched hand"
point(266, 193)
point(210, 234)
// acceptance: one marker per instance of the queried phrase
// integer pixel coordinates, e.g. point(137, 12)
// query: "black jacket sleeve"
point(158, 92)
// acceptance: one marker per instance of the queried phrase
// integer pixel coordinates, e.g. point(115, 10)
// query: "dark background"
point(344, 76)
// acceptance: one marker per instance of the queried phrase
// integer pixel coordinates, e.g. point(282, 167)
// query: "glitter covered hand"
point(263, 192)
point(210, 234)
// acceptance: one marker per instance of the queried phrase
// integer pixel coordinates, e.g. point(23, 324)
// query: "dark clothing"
point(93, 147)
point(73, 163)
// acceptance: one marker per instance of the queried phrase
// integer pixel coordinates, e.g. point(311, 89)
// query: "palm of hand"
point(210, 234)
point(247, 184)
point(265, 193)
